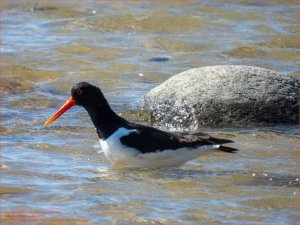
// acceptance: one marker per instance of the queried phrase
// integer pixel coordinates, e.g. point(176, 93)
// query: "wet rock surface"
point(224, 95)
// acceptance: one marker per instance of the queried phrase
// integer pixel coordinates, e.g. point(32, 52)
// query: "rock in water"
point(224, 95)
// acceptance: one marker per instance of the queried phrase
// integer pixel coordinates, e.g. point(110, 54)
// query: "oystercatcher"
point(134, 145)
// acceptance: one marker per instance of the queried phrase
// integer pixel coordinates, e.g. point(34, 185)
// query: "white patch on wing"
point(120, 155)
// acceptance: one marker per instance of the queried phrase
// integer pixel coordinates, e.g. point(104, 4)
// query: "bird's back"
point(148, 140)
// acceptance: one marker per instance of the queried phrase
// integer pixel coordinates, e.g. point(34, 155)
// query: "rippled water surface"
point(56, 174)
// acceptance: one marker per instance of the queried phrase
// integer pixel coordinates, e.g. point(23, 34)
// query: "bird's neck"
point(105, 120)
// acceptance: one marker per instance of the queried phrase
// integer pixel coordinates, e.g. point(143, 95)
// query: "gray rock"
point(224, 95)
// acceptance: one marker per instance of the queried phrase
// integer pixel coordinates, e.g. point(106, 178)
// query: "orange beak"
point(71, 102)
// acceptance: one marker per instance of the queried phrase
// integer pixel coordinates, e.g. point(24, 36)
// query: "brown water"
point(56, 175)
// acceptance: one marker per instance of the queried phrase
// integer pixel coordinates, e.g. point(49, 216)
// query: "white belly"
point(119, 155)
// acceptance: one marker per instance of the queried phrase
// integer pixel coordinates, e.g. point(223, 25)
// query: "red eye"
point(79, 92)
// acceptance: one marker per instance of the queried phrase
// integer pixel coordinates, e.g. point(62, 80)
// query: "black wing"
point(148, 139)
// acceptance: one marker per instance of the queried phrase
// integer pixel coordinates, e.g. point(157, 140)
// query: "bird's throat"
point(105, 120)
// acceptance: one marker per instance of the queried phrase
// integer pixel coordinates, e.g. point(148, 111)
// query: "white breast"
point(120, 155)
point(114, 150)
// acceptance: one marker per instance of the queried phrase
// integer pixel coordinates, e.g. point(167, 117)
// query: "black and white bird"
point(133, 145)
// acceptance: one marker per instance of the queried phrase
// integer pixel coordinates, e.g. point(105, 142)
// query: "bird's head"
point(82, 94)
point(85, 94)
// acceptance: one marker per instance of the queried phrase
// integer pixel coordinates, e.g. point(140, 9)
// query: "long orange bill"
point(71, 102)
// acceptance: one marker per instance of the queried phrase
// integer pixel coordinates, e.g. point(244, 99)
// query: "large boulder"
point(222, 96)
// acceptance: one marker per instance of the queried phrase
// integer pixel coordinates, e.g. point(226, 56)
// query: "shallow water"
point(56, 174)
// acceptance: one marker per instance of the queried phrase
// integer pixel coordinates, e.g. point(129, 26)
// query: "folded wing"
point(148, 139)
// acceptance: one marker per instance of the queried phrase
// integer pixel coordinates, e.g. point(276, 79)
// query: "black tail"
point(227, 149)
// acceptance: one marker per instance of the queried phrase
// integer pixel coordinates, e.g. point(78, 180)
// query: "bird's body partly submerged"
point(133, 145)
point(122, 149)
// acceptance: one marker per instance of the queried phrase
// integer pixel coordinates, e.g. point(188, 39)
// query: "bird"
point(128, 144)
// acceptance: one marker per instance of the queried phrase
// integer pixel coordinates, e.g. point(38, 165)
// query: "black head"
point(86, 94)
